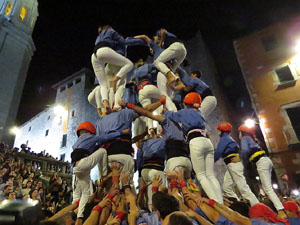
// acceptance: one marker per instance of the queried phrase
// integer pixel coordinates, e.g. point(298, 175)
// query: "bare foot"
point(113, 83)
point(171, 78)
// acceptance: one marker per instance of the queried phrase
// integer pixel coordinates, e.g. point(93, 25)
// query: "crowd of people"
point(25, 181)
point(175, 156)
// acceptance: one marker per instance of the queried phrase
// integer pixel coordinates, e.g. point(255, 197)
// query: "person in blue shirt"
point(177, 154)
point(228, 149)
point(154, 154)
point(85, 156)
point(120, 149)
point(106, 49)
point(209, 101)
point(201, 148)
point(252, 151)
point(173, 50)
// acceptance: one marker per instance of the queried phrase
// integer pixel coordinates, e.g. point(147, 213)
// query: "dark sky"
point(65, 32)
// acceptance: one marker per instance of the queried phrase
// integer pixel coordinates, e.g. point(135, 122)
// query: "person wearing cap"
point(256, 155)
point(174, 50)
point(228, 149)
point(85, 156)
point(201, 148)
point(176, 149)
point(292, 211)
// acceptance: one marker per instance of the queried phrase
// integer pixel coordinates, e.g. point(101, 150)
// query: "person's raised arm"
point(197, 217)
point(231, 215)
point(64, 211)
point(141, 111)
point(93, 219)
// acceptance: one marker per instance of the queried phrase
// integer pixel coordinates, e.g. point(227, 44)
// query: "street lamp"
point(250, 123)
point(14, 130)
point(59, 110)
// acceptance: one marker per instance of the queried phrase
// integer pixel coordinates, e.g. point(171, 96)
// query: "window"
point(70, 85)
point(73, 113)
point(62, 157)
point(77, 80)
point(269, 43)
point(62, 89)
point(29, 129)
point(23, 13)
point(47, 132)
point(294, 116)
point(284, 74)
point(291, 130)
point(64, 141)
point(8, 8)
point(49, 117)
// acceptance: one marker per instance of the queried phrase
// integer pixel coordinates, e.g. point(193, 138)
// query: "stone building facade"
point(17, 20)
point(54, 129)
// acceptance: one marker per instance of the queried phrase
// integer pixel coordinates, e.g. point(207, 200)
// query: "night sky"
point(65, 33)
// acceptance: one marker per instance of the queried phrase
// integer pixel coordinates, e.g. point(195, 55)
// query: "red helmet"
point(192, 98)
point(86, 125)
point(249, 130)
point(225, 126)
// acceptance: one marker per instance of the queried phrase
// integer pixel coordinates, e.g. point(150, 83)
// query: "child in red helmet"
point(251, 150)
point(85, 156)
point(292, 211)
point(228, 149)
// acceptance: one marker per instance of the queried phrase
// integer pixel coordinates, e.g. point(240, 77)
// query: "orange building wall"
point(268, 97)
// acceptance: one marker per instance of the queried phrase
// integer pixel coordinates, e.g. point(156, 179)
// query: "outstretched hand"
point(157, 181)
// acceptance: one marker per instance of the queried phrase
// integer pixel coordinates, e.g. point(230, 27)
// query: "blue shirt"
point(259, 222)
point(190, 118)
point(116, 121)
point(150, 218)
point(223, 221)
point(117, 42)
point(139, 159)
point(154, 148)
point(92, 142)
point(294, 221)
point(226, 146)
point(198, 85)
point(156, 49)
point(171, 130)
point(184, 77)
point(130, 96)
point(247, 146)
point(146, 71)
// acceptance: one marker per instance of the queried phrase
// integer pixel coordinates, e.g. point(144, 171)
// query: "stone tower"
point(17, 20)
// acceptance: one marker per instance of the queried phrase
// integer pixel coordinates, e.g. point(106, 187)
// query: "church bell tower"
point(17, 20)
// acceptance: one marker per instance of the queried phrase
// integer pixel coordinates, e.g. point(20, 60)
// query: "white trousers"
point(95, 99)
point(202, 156)
point(82, 171)
point(175, 51)
point(178, 162)
point(264, 168)
point(208, 105)
point(107, 55)
point(167, 91)
point(236, 171)
point(111, 71)
point(127, 162)
point(139, 125)
point(150, 94)
point(148, 176)
point(228, 186)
